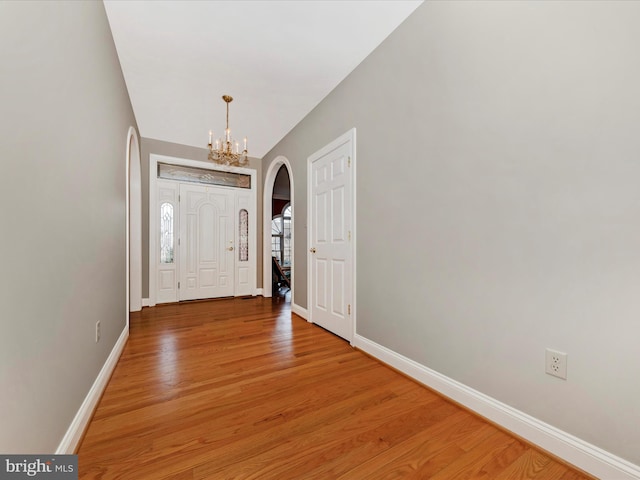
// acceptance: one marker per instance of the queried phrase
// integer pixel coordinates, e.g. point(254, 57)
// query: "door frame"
point(267, 208)
point(154, 159)
point(342, 139)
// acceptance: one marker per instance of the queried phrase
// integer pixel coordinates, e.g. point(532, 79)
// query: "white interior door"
point(330, 235)
point(207, 242)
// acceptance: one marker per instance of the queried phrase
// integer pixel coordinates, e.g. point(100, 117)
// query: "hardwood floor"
point(240, 389)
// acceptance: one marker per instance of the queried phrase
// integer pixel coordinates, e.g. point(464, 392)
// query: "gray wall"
point(64, 123)
point(498, 192)
point(159, 147)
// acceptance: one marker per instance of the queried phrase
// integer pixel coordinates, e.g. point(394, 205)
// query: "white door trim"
point(153, 213)
point(270, 179)
point(344, 138)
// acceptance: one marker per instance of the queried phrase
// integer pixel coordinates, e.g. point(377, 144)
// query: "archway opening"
point(134, 223)
point(281, 227)
point(278, 229)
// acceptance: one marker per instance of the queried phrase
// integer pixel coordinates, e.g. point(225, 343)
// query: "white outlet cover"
point(556, 363)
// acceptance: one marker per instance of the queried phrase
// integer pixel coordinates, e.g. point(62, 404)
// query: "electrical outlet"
point(97, 331)
point(556, 363)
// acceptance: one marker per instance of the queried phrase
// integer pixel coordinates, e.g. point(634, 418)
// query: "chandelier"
point(226, 151)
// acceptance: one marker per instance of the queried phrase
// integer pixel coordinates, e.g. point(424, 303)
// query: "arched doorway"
point(134, 223)
point(281, 223)
point(269, 213)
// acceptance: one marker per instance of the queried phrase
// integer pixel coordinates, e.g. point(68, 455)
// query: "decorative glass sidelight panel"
point(202, 175)
point(244, 236)
point(166, 233)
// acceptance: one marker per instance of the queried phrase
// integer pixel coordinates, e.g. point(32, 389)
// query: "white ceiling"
point(278, 59)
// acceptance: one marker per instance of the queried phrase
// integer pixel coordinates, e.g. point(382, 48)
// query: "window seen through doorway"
point(281, 237)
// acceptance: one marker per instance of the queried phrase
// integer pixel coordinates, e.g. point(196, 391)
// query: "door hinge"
point(349, 309)
point(178, 197)
point(349, 235)
point(178, 242)
point(348, 161)
point(178, 285)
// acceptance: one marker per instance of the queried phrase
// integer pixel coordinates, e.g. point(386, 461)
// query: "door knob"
point(312, 250)
point(230, 248)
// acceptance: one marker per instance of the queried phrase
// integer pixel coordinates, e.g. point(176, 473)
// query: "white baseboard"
point(300, 311)
point(80, 422)
point(573, 450)
point(145, 302)
point(259, 291)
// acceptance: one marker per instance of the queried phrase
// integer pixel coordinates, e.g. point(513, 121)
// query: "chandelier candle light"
point(224, 153)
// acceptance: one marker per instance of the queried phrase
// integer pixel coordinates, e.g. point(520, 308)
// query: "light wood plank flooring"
point(240, 389)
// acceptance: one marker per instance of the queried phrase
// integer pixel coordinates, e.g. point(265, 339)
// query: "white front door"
point(207, 242)
point(330, 236)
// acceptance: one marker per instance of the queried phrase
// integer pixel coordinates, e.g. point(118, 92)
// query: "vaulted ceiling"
point(278, 59)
